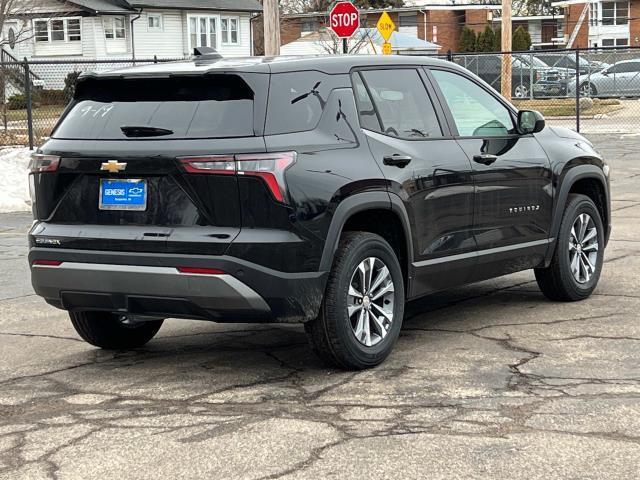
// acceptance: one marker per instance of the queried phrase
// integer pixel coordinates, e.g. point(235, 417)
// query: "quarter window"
point(114, 27)
point(57, 30)
point(475, 111)
point(402, 103)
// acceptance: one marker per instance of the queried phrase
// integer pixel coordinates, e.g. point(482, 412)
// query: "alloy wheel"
point(521, 91)
point(370, 301)
point(583, 248)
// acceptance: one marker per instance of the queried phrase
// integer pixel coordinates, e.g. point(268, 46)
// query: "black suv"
point(324, 190)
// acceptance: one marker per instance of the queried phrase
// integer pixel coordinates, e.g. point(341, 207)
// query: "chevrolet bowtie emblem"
point(113, 166)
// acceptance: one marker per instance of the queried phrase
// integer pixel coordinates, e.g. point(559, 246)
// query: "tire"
point(333, 333)
point(558, 281)
point(588, 90)
point(105, 330)
point(520, 91)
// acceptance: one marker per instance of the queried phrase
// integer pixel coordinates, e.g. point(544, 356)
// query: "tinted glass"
point(205, 107)
point(475, 111)
point(402, 103)
point(297, 100)
point(366, 112)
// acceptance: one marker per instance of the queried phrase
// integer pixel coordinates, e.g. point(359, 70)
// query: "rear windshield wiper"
point(144, 131)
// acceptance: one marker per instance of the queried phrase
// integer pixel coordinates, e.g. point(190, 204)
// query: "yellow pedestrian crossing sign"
point(386, 48)
point(385, 26)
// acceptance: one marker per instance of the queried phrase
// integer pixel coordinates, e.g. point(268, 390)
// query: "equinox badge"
point(113, 166)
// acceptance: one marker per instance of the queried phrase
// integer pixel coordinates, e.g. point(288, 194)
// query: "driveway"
point(487, 381)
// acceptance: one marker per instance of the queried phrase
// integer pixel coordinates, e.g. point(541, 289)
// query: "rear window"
point(209, 106)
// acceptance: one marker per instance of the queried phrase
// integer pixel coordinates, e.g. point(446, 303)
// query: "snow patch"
point(14, 180)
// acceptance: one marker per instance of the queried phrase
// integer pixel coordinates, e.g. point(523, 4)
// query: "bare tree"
point(331, 44)
point(18, 11)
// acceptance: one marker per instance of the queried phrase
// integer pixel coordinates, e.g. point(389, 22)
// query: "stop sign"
point(344, 19)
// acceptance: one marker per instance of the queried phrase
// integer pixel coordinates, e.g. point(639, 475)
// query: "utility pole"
point(271, 16)
point(506, 47)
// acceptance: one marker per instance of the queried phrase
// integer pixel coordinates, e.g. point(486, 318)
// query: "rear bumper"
point(151, 285)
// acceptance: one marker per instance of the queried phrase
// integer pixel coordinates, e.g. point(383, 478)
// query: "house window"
point(615, 13)
point(57, 30)
point(229, 29)
point(113, 27)
point(309, 26)
point(593, 14)
point(203, 31)
point(154, 21)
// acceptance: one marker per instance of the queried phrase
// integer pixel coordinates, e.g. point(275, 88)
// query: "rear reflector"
point(47, 263)
point(200, 271)
point(43, 163)
point(270, 167)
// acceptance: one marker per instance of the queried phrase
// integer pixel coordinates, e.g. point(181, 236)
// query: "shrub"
point(51, 97)
point(467, 40)
point(521, 40)
point(70, 86)
point(17, 101)
point(486, 40)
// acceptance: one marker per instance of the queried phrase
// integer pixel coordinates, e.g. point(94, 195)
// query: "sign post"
point(386, 27)
point(344, 20)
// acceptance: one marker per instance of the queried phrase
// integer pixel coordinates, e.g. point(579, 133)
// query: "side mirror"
point(605, 72)
point(530, 121)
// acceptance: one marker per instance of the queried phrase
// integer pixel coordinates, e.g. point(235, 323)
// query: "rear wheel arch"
point(373, 212)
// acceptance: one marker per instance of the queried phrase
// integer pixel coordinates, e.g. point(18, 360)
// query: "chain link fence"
point(588, 90)
point(35, 93)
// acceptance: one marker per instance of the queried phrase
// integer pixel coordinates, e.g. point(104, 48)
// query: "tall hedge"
point(467, 40)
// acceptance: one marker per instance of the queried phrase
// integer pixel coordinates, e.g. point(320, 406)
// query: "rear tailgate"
point(83, 203)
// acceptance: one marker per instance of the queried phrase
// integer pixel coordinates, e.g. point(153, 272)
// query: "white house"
point(126, 29)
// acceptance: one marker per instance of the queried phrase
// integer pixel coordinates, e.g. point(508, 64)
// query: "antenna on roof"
point(206, 52)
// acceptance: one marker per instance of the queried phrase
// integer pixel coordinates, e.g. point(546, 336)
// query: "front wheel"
point(577, 262)
point(113, 332)
point(363, 306)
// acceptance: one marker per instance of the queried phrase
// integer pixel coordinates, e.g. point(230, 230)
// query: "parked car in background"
point(526, 71)
point(566, 62)
point(620, 79)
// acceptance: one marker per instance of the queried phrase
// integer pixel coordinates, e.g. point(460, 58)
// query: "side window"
point(298, 99)
point(402, 103)
point(366, 111)
point(475, 111)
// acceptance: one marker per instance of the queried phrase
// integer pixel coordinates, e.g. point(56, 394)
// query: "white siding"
point(164, 43)
point(242, 49)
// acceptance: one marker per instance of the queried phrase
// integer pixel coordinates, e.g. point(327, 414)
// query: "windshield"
point(209, 106)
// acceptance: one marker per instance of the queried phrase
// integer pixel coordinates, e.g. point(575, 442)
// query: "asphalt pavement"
point(488, 381)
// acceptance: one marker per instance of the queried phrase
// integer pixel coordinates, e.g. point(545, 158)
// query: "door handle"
point(396, 160)
point(485, 158)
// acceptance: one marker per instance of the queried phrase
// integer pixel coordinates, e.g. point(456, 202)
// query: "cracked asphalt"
point(487, 381)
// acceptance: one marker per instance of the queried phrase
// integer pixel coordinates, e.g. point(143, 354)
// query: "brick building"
point(598, 23)
point(437, 21)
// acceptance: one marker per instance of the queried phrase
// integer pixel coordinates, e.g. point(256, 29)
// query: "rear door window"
point(402, 103)
point(208, 106)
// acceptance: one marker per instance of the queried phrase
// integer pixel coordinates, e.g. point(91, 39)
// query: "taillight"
point(200, 270)
point(43, 163)
point(218, 164)
point(270, 167)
